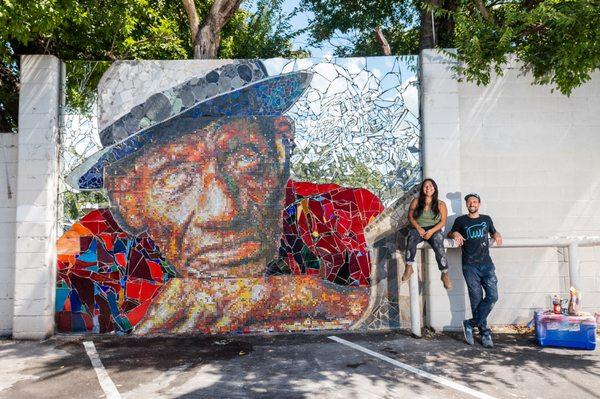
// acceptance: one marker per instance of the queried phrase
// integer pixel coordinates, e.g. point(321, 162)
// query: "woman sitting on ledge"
point(427, 217)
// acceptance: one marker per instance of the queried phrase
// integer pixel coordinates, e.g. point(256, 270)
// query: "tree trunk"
point(483, 10)
point(442, 33)
point(385, 46)
point(426, 30)
point(190, 9)
point(206, 45)
point(207, 35)
point(444, 27)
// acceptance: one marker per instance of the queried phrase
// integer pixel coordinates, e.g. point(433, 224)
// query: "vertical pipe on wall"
point(415, 306)
point(574, 265)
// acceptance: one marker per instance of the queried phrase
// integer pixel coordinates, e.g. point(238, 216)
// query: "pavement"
point(295, 366)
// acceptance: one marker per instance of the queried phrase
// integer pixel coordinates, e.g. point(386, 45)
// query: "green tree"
point(377, 26)
point(268, 33)
point(123, 29)
point(558, 41)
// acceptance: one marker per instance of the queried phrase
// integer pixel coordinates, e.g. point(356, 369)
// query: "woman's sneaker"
point(468, 331)
point(486, 340)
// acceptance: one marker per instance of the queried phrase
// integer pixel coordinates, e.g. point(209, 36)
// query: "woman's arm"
point(411, 218)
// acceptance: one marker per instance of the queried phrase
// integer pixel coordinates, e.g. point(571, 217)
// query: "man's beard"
point(473, 210)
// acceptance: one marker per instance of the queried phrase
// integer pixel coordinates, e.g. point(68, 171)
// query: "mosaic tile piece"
point(323, 232)
point(104, 279)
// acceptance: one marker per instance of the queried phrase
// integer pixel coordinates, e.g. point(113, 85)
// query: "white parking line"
point(439, 380)
point(108, 386)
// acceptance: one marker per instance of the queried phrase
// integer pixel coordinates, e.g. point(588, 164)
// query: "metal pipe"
point(529, 242)
point(415, 306)
point(572, 243)
point(574, 265)
point(413, 295)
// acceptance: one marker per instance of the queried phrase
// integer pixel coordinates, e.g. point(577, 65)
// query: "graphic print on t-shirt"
point(476, 231)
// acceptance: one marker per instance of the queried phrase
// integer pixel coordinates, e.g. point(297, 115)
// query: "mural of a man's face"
point(212, 198)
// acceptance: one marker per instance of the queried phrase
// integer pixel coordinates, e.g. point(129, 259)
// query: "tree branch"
point(483, 10)
point(208, 37)
point(193, 20)
point(385, 46)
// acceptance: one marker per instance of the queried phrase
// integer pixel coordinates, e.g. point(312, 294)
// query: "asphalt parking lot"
point(295, 366)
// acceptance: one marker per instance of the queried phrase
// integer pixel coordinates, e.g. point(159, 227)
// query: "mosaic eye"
point(244, 161)
point(174, 177)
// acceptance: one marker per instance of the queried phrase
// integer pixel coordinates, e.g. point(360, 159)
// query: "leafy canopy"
point(356, 20)
point(107, 30)
point(558, 41)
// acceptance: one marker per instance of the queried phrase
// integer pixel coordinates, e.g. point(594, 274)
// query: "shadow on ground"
point(311, 365)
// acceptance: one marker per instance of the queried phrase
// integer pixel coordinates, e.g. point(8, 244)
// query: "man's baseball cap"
point(472, 195)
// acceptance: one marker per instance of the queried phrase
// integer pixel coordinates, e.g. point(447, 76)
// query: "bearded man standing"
point(472, 233)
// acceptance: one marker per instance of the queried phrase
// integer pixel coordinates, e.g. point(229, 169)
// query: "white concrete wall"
point(37, 183)
point(534, 157)
point(8, 210)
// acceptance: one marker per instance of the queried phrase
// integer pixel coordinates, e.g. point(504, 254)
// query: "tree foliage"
point(267, 33)
point(358, 20)
point(558, 41)
point(402, 41)
point(107, 30)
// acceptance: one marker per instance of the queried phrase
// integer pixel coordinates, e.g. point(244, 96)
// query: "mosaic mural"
point(238, 201)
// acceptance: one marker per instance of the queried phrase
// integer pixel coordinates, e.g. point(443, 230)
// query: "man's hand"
point(458, 238)
point(497, 238)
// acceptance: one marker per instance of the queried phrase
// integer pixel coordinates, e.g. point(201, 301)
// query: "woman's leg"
point(437, 244)
point(412, 240)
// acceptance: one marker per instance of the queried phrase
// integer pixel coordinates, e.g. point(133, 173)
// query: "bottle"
point(556, 308)
point(574, 306)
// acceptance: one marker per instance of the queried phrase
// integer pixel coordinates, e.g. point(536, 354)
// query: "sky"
point(298, 22)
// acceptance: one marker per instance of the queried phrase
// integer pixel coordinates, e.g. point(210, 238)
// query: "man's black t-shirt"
point(475, 250)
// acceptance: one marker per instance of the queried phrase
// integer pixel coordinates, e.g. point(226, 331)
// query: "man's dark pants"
point(481, 278)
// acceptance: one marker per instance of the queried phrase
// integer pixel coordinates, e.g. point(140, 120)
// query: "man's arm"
point(495, 234)
point(497, 238)
point(455, 235)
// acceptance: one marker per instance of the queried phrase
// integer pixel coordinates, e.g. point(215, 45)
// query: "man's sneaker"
point(446, 280)
point(486, 340)
point(408, 271)
point(468, 331)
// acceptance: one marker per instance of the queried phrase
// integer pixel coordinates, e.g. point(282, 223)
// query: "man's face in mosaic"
point(211, 199)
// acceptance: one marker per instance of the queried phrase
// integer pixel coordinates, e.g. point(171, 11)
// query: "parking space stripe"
point(108, 386)
point(424, 374)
